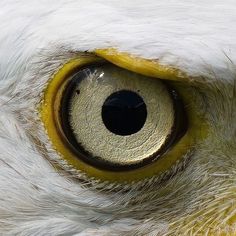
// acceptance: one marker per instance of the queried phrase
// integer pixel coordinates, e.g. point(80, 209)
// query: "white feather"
point(36, 38)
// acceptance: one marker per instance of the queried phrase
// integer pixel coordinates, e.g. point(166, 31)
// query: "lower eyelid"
point(147, 183)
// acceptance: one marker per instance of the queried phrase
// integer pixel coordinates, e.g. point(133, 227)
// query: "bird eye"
point(114, 124)
point(117, 120)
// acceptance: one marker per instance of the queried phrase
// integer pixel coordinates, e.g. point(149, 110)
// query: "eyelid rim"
point(49, 107)
point(147, 67)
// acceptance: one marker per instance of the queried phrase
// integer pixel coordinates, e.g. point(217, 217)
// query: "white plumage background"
point(36, 38)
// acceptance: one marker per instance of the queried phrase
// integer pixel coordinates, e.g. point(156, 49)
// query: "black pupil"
point(124, 113)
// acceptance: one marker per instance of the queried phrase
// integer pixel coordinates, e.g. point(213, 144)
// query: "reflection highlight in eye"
point(99, 157)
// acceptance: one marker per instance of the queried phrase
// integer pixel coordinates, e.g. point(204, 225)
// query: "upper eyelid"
point(49, 62)
point(147, 67)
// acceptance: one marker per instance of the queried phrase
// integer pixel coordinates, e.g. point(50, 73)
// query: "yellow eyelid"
point(49, 110)
point(147, 67)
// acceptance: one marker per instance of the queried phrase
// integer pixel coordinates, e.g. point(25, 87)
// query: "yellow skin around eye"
point(142, 66)
point(50, 106)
